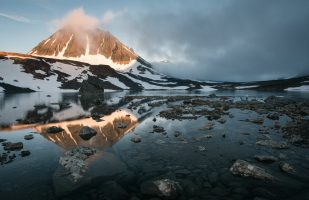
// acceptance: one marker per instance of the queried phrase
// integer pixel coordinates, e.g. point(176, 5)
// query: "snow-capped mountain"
point(92, 46)
point(69, 56)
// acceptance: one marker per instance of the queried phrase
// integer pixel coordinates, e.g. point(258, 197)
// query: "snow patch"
point(73, 71)
point(40, 72)
point(60, 54)
point(46, 41)
point(207, 89)
point(116, 82)
point(303, 88)
point(246, 87)
point(14, 75)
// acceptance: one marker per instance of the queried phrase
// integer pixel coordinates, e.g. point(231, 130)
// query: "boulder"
point(74, 161)
point(136, 139)
point(102, 167)
point(86, 133)
point(161, 188)
point(158, 129)
point(273, 116)
point(273, 144)
point(245, 169)
point(286, 167)
point(54, 129)
point(13, 146)
point(265, 158)
point(28, 137)
point(24, 153)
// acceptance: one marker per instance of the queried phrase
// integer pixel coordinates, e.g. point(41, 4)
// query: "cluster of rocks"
point(74, 161)
point(11, 148)
point(243, 168)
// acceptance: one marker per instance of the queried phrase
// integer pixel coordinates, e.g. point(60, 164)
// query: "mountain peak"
point(92, 46)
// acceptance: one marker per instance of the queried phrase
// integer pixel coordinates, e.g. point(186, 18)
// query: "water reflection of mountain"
point(114, 126)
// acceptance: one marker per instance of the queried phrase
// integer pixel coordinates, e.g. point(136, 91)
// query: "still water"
point(198, 160)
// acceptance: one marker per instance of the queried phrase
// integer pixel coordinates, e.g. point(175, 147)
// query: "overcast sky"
point(233, 40)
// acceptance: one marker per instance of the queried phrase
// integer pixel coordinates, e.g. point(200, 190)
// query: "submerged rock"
point(273, 116)
point(221, 120)
point(286, 167)
point(25, 153)
point(158, 129)
point(245, 169)
point(136, 139)
point(177, 133)
point(28, 137)
point(110, 167)
point(208, 126)
point(161, 188)
point(13, 146)
point(273, 144)
point(74, 161)
point(86, 133)
point(259, 120)
point(2, 140)
point(54, 129)
point(265, 158)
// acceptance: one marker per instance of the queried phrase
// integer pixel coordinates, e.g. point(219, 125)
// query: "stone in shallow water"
point(54, 129)
point(104, 166)
point(161, 188)
point(208, 126)
point(25, 153)
point(273, 116)
point(273, 144)
point(86, 133)
point(13, 146)
point(2, 140)
point(177, 133)
point(74, 159)
point(136, 139)
point(158, 129)
point(28, 137)
point(245, 169)
point(265, 158)
point(286, 167)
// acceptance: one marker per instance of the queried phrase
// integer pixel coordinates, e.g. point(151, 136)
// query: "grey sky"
point(231, 40)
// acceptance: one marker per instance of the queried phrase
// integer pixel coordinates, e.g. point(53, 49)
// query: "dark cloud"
point(230, 40)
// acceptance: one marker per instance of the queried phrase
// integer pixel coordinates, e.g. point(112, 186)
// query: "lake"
point(155, 145)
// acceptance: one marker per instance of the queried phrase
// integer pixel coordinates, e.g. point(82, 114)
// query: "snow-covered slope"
point(20, 73)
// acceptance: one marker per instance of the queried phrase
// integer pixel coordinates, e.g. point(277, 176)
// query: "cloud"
point(110, 15)
point(76, 19)
point(16, 18)
point(232, 40)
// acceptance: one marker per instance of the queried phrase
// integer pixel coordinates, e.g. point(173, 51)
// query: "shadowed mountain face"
point(84, 44)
